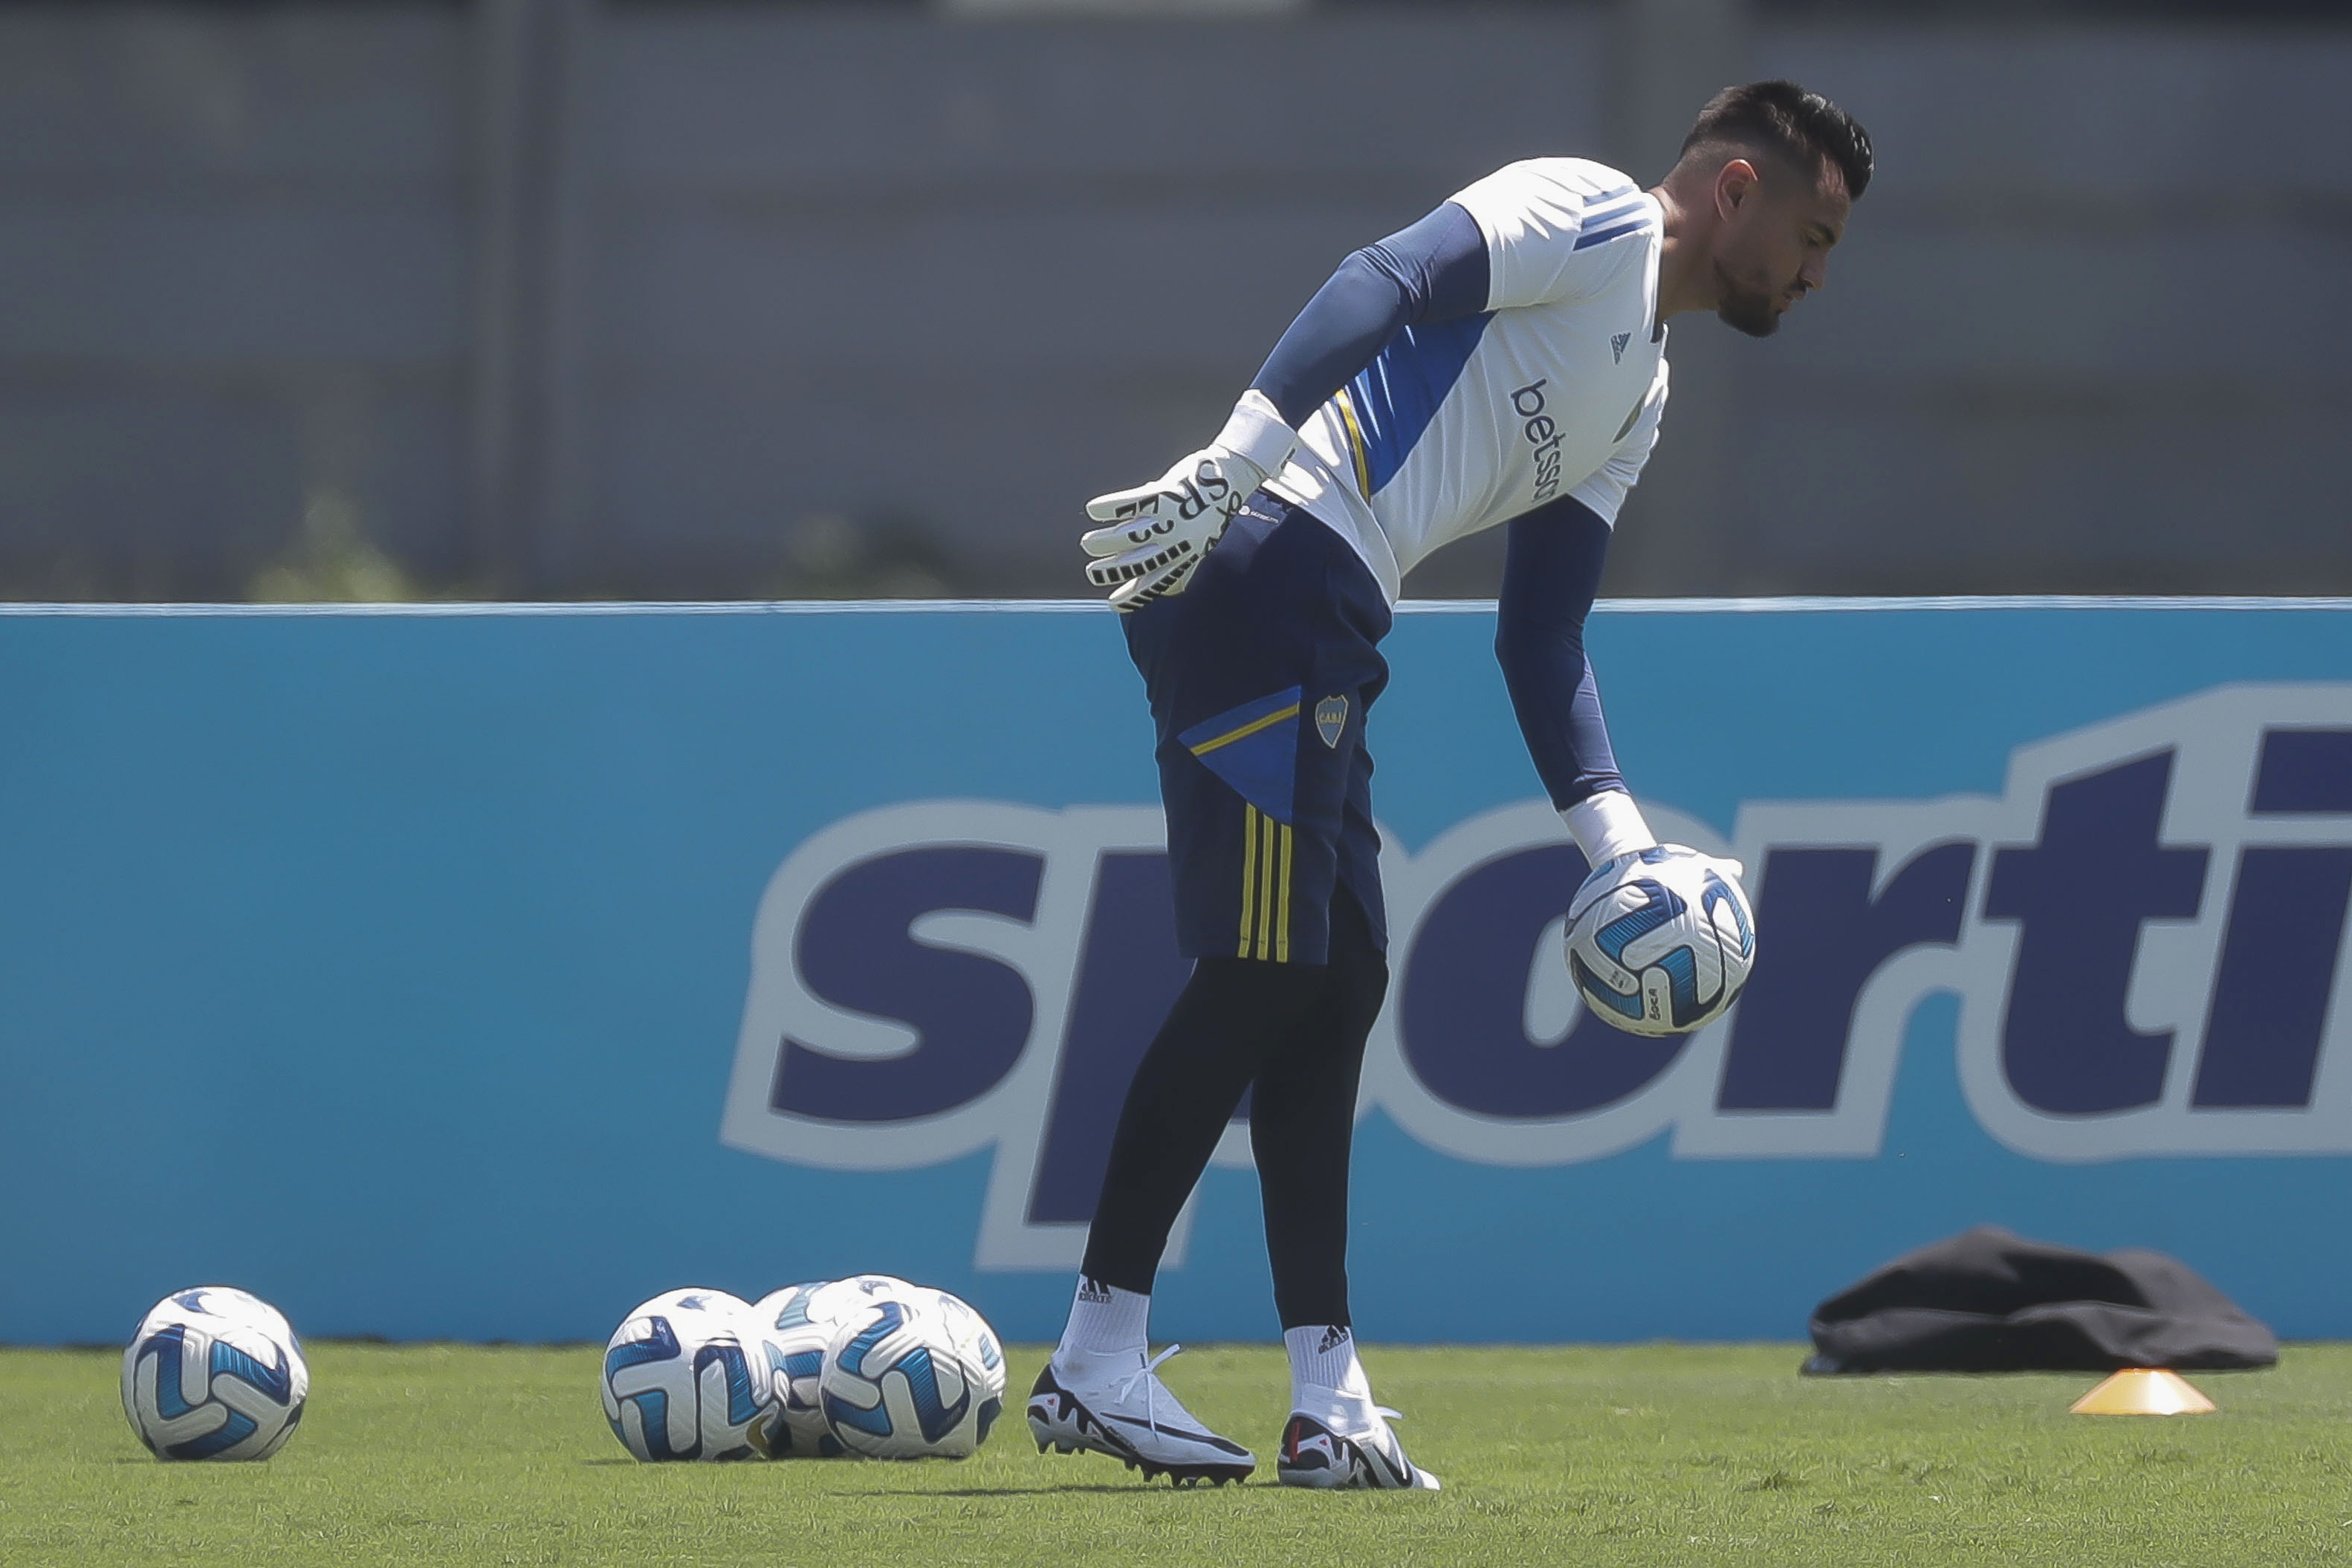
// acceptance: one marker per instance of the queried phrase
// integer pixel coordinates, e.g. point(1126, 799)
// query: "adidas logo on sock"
point(1333, 1338)
point(1094, 1292)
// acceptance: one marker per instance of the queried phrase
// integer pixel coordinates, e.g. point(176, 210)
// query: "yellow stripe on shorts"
point(1243, 731)
point(1265, 867)
point(1249, 874)
point(1282, 918)
point(1266, 854)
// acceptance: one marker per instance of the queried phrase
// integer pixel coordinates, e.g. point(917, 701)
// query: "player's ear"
point(1734, 184)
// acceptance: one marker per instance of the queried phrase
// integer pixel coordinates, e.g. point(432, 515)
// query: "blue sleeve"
point(1434, 271)
point(1551, 572)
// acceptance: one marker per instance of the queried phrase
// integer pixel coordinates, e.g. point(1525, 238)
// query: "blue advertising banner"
point(478, 973)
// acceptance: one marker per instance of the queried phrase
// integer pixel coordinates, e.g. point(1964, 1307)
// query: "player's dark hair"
point(1779, 117)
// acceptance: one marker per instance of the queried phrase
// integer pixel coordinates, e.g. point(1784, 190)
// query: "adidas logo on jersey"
point(1617, 346)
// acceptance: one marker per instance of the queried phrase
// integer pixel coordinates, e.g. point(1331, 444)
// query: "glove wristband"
point(1608, 824)
point(1255, 434)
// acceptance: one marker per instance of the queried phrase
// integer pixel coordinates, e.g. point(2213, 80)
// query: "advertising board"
point(475, 973)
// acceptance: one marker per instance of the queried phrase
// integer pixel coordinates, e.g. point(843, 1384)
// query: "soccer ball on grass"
point(900, 1382)
point(798, 1322)
point(974, 1340)
point(792, 1339)
point(214, 1374)
point(683, 1378)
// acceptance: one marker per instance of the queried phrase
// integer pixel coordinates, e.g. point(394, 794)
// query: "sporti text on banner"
point(2145, 929)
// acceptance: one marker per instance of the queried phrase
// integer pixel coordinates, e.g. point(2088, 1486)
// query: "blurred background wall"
point(555, 299)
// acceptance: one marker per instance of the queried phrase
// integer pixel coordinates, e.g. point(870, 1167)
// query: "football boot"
point(1130, 1416)
point(1337, 1440)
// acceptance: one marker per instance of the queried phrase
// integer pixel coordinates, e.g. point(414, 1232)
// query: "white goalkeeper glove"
point(1609, 828)
point(1606, 825)
point(1158, 532)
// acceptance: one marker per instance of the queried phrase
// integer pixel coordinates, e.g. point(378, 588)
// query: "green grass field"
point(1656, 1453)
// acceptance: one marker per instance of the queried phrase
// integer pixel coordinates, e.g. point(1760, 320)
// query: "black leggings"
point(1296, 1031)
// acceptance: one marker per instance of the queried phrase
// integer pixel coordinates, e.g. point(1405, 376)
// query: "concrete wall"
point(746, 301)
point(2089, 331)
point(235, 246)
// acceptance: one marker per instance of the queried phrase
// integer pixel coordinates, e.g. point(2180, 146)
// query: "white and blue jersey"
point(1552, 387)
point(1497, 362)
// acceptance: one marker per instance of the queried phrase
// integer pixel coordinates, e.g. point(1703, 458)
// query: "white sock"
point(1105, 1321)
point(1322, 1356)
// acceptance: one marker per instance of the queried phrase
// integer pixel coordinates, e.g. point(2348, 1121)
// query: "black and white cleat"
point(1130, 1416)
point(1366, 1457)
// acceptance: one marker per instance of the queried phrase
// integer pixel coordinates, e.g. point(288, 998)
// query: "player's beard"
point(1745, 307)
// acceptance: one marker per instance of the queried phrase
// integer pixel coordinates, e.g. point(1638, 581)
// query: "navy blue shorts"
point(1261, 675)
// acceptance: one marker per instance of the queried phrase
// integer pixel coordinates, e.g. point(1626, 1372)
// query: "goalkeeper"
point(1502, 362)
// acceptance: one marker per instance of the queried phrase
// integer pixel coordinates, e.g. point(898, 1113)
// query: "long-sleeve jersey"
point(1473, 412)
point(1500, 362)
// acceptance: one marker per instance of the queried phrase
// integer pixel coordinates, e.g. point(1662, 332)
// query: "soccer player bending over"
point(1502, 362)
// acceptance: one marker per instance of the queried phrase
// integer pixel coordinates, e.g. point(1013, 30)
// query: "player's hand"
point(1156, 534)
point(1159, 532)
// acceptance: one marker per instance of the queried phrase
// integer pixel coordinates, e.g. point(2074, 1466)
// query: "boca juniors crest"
point(1331, 719)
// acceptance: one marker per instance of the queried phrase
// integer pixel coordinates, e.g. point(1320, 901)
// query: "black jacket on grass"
point(1989, 1301)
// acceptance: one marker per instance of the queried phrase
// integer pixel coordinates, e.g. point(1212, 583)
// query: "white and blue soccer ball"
point(974, 1340)
point(683, 1378)
point(899, 1383)
point(835, 1300)
point(214, 1374)
point(1661, 942)
point(795, 1324)
point(791, 1346)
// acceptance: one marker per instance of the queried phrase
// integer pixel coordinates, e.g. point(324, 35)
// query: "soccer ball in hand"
point(896, 1383)
point(680, 1379)
point(214, 1374)
point(1660, 942)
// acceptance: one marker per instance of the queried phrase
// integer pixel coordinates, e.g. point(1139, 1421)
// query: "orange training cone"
point(2144, 1391)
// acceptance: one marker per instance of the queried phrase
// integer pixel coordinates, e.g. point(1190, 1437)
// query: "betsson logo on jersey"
point(2144, 928)
point(1543, 434)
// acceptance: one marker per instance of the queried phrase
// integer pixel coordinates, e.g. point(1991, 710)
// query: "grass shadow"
point(1103, 1489)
